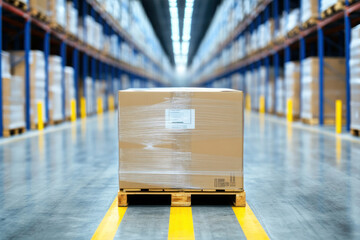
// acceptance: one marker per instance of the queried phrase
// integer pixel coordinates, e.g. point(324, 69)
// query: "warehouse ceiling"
point(159, 16)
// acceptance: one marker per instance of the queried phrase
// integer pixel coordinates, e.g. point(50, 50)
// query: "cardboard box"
point(181, 138)
point(334, 87)
point(37, 79)
point(292, 86)
point(55, 89)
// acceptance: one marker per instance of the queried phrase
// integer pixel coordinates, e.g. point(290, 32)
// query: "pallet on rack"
point(309, 23)
point(182, 197)
point(71, 36)
point(35, 126)
point(14, 131)
point(55, 122)
point(57, 27)
point(293, 32)
point(315, 121)
point(337, 7)
point(280, 114)
point(39, 15)
point(355, 132)
point(21, 4)
point(279, 40)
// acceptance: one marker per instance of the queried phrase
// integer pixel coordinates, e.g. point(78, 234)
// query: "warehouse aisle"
point(300, 184)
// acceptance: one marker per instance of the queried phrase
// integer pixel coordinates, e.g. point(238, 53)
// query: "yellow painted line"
point(110, 223)
point(181, 223)
point(249, 223)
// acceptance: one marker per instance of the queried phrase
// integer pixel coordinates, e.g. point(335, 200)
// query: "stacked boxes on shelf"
point(37, 80)
point(100, 93)
point(13, 96)
point(326, 4)
point(355, 78)
point(57, 12)
point(71, 18)
point(280, 95)
point(69, 90)
point(334, 88)
point(90, 96)
point(292, 86)
point(309, 10)
point(55, 90)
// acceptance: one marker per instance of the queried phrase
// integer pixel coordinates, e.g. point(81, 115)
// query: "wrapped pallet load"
point(100, 93)
point(57, 12)
point(326, 4)
point(280, 96)
point(355, 78)
point(69, 90)
point(270, 97)
point(13, 98)
point(37, 81)
point(71, 18)
point(309, 11)
point(38, 7)
point(293, 20)
point(90, 96)
point(55, 90)
point(189, 138)
point(292, 87)
point(334, 88)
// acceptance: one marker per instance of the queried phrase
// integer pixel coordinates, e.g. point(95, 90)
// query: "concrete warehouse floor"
point(301, 183)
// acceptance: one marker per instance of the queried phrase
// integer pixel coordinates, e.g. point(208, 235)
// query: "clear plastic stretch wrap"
point(334, 87)
point(181, 138)
point(69, 90)
point(13, 97)
point(355, 77)
point(37, 79)
point(292, 86)
point(55, 89)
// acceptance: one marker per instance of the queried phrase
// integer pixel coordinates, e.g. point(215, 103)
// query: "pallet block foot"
point(180, 200)
point(240, 200)
point(122, 199)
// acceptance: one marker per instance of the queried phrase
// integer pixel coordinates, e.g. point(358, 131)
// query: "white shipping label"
point(180, 118)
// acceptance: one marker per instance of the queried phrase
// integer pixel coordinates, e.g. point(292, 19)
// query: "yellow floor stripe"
point(249, 223)
point(181, 223)
point(110, 223)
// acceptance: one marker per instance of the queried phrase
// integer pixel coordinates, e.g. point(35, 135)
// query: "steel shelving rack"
point(85, 60)
point(316, 35)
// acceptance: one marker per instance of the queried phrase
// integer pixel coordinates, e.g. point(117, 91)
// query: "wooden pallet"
point(35, 126)
point(55, 122)
point(355, 132)
point(315, 121)
point(57, 27)
point(182, 197)
point(12, 132)
point(293, 32)
point(17, 3)
point(71, 36)
point(337, 7)
point(39, 15)
point(280, 114)
point(309, 23)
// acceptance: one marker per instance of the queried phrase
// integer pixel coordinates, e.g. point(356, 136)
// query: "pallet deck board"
point(182, 198)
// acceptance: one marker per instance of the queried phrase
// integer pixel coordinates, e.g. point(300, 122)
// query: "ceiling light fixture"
point(181, 45)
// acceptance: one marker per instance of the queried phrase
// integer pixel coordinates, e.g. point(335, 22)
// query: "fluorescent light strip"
point(181, 46)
